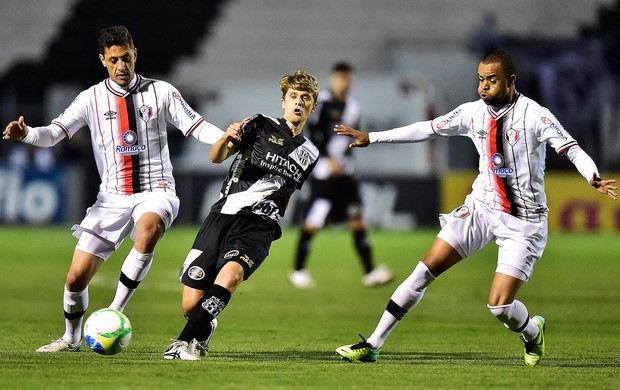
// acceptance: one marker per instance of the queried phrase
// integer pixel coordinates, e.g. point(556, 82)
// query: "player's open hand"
point(360, 139)
point(605, 186)
point(15, 130)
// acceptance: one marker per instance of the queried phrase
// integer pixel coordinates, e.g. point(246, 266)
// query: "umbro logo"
point(110, 115)
point(482, 134)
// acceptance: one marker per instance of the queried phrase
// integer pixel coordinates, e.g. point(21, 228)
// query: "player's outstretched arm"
point(16, 130)
point(604, 186)
point(360, 139)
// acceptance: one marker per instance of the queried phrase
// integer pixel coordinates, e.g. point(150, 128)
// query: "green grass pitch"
point(273, 336)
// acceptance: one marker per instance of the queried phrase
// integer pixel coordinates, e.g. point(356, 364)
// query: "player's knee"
point(230, 276)
point(76, 281)
point(147, 237)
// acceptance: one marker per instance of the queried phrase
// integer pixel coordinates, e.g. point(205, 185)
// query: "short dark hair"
point(342, 66)
point(504, 59)
point(115, 35)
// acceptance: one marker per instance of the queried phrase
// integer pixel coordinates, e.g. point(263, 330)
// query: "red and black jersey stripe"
point(127, 113)
point(496, 145)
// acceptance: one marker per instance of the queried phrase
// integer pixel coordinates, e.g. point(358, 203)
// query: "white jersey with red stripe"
point(511, 143)
point(128, 131)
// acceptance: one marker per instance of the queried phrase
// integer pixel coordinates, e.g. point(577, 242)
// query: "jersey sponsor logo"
point(110, 115)
point(454, 115)
point(196, 273)
point(498, 166)
point(145, 113)
point(191, 114)
point(462, 212)
point(267, 209)
point(130, 137)
point(231, 254)
point(555, 127)
point(277, 141)
point(284, 166)
point(482, 134)
point(497, 160)
point(512, 136)
point(162, 183)
point(130, 149)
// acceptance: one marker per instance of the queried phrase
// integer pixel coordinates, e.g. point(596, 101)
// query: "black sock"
point(210, 306)
point(303, 247)
point(363, 249)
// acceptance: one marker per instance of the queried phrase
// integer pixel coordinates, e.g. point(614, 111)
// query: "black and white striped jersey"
point(270, 164)
point(320, 129)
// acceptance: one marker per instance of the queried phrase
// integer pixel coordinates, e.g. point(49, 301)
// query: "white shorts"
point(113, 217)
point(470, 227)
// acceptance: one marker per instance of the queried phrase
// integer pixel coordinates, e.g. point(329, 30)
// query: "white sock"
point(404, 298)
point(134, 270)
point(75, 305)
point(516, 318)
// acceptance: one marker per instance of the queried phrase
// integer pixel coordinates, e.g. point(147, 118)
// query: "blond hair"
point(300, 81)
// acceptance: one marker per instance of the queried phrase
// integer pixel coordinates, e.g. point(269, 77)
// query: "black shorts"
point(222, 238)
point(344, 195)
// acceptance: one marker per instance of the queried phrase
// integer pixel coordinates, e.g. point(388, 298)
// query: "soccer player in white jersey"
point(127, 116)
point(273, 160)
point(507, 203)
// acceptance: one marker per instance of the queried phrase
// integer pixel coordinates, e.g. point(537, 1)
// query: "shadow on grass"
point(412, 358)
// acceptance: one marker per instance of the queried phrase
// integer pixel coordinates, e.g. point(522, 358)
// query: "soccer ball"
point(107, 331)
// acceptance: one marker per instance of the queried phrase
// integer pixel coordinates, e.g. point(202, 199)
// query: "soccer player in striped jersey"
point(335, 195)
point(127, 116)
point(507, 202)
point(273, 160)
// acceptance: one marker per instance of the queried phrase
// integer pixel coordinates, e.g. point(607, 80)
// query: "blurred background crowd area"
point(414, 59)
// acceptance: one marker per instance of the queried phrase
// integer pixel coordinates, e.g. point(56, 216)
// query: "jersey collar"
point(498, 112)
point(123, 91)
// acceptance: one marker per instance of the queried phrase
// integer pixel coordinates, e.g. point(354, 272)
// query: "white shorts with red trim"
point(471, 226)
point(113, 217)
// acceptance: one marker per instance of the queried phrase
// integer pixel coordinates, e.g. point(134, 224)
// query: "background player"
point(273, 159)
point(127, 116)
point(334, 189)
point(507, 203)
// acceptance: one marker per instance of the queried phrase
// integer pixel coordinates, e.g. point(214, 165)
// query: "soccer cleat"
point(535, 350)
point(179, 350)
point(379, 276)
point(361, 351)
point(201, 348)
point(301, 279)
point(61, 345)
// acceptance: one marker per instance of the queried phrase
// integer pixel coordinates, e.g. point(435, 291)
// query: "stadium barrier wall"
point(573, 205)
point(32, 196)
point(389, 203)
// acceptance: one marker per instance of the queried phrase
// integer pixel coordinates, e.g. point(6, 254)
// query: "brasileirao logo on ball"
point(107, 331)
